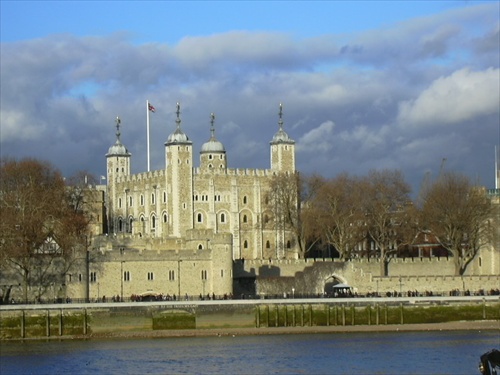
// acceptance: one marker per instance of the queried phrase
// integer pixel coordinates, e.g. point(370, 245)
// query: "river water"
point(442, 352)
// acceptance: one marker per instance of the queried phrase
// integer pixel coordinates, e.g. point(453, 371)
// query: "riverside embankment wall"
point(107, 319)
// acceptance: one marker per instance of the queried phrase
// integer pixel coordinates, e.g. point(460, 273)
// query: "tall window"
point(126, 275)
point(93, 277)
point(204, 275)
point(222, 218)
point(150, 276)
point(171, 275)
point(200, 218)
point(153, 198)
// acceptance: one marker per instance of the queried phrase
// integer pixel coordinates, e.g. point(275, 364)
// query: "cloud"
point(398, 97)
point(448, 100)
point(318, 139)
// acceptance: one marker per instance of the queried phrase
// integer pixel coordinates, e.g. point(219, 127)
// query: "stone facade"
point(204, 230)
point(177, 230)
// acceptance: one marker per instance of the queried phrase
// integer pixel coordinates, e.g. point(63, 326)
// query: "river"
point(441, 352)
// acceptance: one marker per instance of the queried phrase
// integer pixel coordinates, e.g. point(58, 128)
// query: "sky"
point(407, 85)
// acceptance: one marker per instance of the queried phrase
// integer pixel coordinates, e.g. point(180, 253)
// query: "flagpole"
point(497, 168)
point(147, 130)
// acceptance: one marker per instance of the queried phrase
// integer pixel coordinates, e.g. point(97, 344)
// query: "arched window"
point(268, 244)
point(120, 225)
point(200, 218)
point(245, 218)
point(288, 244)
point(164, 218)
point(153, 222)
point(130, 221)
point(245, 244)
point(222, 218)
point(200, 247)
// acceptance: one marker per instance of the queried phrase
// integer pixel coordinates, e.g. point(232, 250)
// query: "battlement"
point(238, 172)
point(141, 176)
point(310, 261)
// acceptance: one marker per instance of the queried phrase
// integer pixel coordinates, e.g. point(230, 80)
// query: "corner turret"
point(282, 149)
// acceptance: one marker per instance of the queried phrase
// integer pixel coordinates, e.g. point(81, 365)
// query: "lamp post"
point(121, 280)
point(179, 277)
point(87, 271)
point(293, 292)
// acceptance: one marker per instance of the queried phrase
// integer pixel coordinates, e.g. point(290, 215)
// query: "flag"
point(151, 108)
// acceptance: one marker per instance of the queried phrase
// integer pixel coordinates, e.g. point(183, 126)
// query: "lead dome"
point(213, 145)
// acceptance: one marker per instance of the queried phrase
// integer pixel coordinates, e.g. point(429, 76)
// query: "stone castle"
point(178, 230)
point(208, 230)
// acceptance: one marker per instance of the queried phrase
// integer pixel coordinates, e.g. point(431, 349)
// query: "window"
point(222, 218)
point(150, 276)
point(142, 200)
point(93, 277)
point(164, 197)
point(245, 199)
point(153, 222)
point(268, 245)
point(119, 202)
point(164, 218)
point(200, 218)
point(130, 201)
point(210, 156)
point(266, 219)
point(200, 247)
point(204, 275)
point(288, 244)
point(171, 275)
point(153, 198)
point(221, 273)
point(120, 225)
point(126, 276)
point(245, 218)
point(245, 244)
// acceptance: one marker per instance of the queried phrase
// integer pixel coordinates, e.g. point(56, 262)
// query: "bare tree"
point(338, 213)
point(288, 195)
point(460, 214)
point(387, 207)
point(40, 229)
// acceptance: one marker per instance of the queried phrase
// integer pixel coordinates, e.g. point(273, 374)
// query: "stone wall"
point(307, 276)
